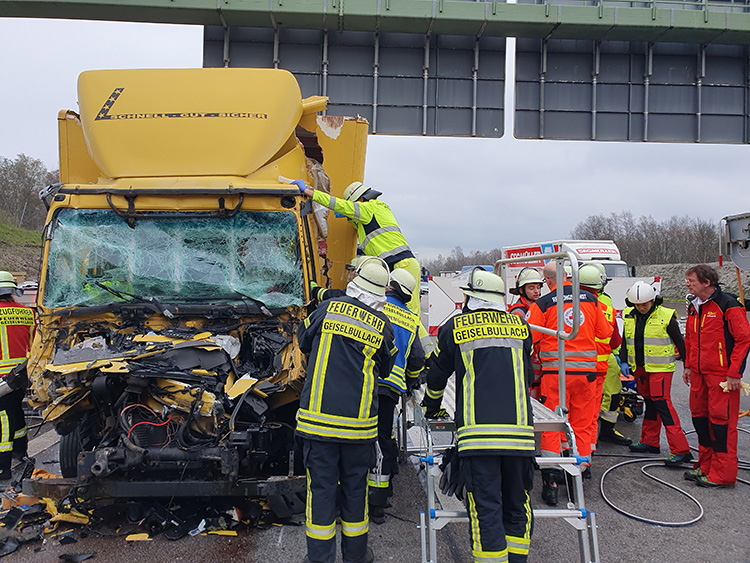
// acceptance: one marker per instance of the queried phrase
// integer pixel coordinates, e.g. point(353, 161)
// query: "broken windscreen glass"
point(253, 254)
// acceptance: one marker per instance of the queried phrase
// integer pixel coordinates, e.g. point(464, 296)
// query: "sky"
point(478, 194)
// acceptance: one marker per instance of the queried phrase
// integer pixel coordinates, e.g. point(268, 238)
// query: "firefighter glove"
point(338, 215)
point(413, 383)
point(300, 184)
point(452, 479)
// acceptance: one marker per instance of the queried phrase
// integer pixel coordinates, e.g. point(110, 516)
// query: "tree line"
point(20, 181)
point(641, 241)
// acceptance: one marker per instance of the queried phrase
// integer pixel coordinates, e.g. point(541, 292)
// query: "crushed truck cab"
point(175, 271)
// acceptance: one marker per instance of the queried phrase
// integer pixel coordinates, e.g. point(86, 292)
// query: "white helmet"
point(641, 292)
point(356, 262)
point(7, 283)
point(590, 276)
point(404, 280)
point(373, 276)
point(356, 190)
point(485, 285)
point(525, 276)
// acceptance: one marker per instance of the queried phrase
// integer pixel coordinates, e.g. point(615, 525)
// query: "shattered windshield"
point(251, 255)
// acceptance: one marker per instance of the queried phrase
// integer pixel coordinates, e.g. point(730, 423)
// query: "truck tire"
point(85, 437)
point(70, 447)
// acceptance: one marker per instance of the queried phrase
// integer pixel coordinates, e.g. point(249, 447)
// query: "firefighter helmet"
point(7, 283)
point(525, 276)
point(485, 285)
point(641, 292)
point(590, 276)
point(373, 276)
point(356, 262)
point(356, 190)
point(404, 280)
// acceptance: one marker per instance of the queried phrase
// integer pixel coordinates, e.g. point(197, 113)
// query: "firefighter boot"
point(607, 433)
point(549, 486)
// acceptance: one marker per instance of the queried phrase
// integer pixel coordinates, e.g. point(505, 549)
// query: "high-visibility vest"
point(405, 325)
point(377, 229)
point(16, 331)
point(658, 348)
point(603, 348)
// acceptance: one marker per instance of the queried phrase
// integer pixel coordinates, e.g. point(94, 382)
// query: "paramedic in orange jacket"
point(580, 369)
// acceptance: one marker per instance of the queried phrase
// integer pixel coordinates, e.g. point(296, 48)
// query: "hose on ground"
point(742, 464)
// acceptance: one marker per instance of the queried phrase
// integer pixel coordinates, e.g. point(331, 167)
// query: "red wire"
point(149, 423)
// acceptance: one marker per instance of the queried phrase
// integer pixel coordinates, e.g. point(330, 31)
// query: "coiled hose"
point(742, 464)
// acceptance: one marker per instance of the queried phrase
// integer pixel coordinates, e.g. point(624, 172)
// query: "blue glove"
point(301, 185)
point(624, 368)
point(338, 215)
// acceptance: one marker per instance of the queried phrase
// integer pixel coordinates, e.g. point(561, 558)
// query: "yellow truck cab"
point(176, 268)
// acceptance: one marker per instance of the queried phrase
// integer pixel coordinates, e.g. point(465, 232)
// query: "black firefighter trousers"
point(13, 439)
point(497, 499)
point(333, 466)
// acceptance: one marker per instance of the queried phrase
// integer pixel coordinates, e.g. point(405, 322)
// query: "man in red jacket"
point(16, 332)
point(717, 339)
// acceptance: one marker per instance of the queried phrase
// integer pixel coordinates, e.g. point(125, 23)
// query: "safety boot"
point(641, 448)
point(675, 460)
point(549, 486)
point(607, 433)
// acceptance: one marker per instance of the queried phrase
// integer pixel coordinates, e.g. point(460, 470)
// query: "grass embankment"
point(13, 235)
point(20, 251)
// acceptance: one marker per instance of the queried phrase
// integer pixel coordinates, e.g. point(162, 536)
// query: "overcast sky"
point(474, 193)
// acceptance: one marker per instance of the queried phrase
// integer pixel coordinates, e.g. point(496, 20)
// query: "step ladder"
point(434, 519)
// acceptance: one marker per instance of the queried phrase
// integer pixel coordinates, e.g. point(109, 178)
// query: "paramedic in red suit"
point(717, 339)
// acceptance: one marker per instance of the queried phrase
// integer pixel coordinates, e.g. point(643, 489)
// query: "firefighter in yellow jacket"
point(349, 342)
point(489, 350)
point(377, 230)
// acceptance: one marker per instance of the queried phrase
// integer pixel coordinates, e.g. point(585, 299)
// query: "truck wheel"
point(85, 437)
point(70, 447)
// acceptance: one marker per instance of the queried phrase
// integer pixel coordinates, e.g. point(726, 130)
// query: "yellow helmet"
point(356, 190)
point(373, 276)
point(404, 280)
point(527, 275)
point(485, 285)
point(7, 283)
point(590, 276)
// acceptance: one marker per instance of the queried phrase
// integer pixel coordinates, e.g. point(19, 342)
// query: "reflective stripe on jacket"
point(350, 346)
point(377, 229)
point(581, 352)
point(603, 346)
point(409, 359)
point(651, 341)
point(490, 353)
point(16, 332)
point(717, 336)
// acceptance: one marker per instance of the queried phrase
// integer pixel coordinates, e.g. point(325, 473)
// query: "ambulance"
point(604, 252)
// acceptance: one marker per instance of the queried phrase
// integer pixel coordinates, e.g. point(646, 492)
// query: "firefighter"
point(349, 342)
point(377, 229)
point(593, 279)
point(529, 284)
point(489, 350)
point(651, 334)
point(16, 333)
point(717, 339)
point(580, 369)
point(403, 376)
point(318, 294)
